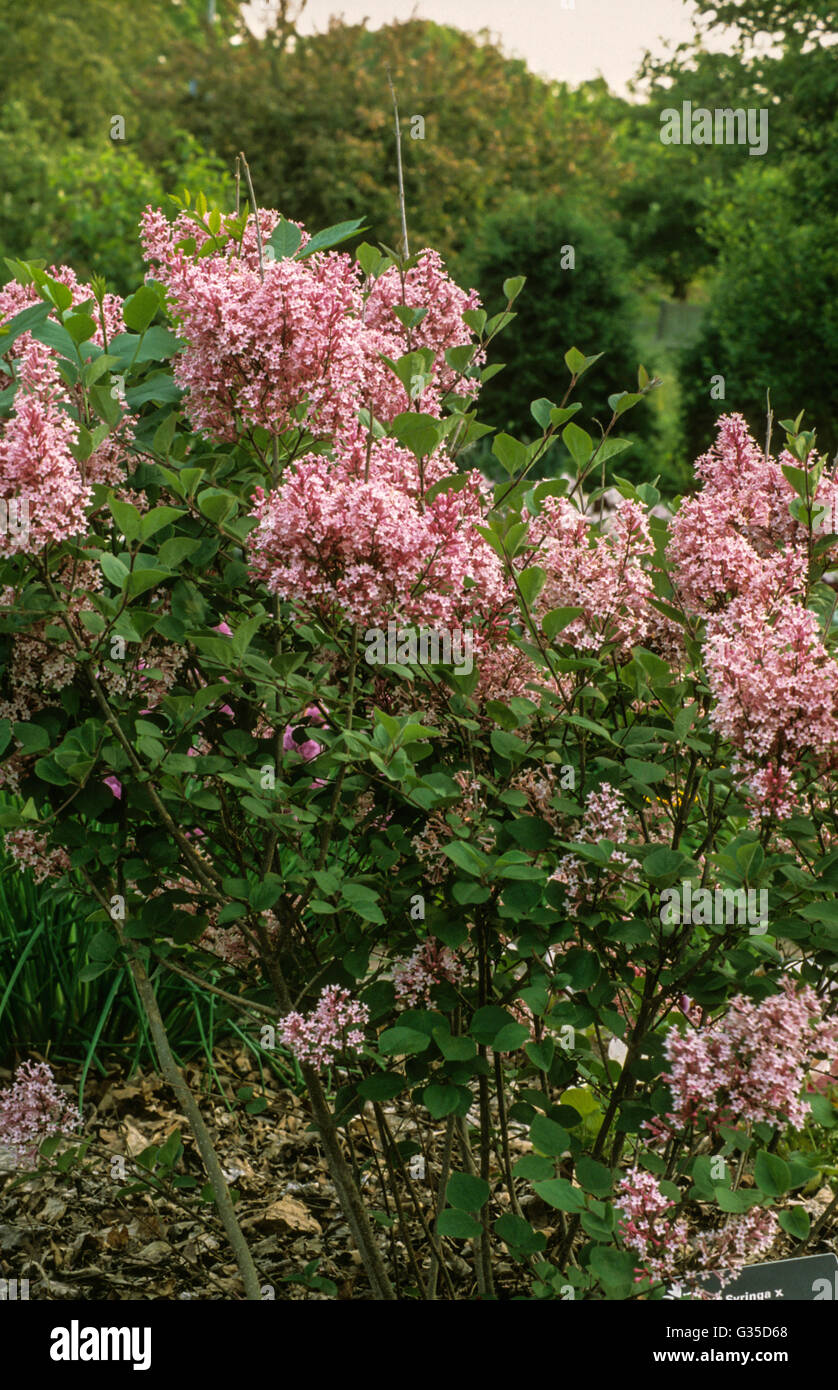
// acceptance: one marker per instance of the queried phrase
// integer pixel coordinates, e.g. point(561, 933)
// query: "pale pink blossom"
point(33, 1109)
point(36, 463)
point(31, 850)
point(342, 544)
point(606, 575)
point(776, 691)
point(415, 976)
point(336, 1025)
point(668, 1252)
point(749, 1065)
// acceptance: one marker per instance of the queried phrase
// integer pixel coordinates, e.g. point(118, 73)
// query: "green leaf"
point(511, 1038)
point(771, 1174)
point(417, 432)
point(593, 1176)
point(823, 1111)
point(541, 1054)
point(623, 401)
point(23, 322)
point(531, 833)
point(519, 1235)
point(332, 236)
point(441, 1100)
point(513, 286)
point(795, 1222)
point(533, 1167)
point(459, 358)
point(215, 505)
point(400, 1041)
point(489, 1022)
point(579, 444)
point(383, 1086)
point(826, 911)
point(126, 517)
point(548, 1137)
point(661, 863)
point(508, 745)
point(736, 1202)
point(467, 1192)
point(530, 583)
point(56, 336)
point(369, 259)
point(155, 520)
point(458, 1224)
point(102, 947)
point(80, 327)
point(113, 569)
point(510, 453)
point(645, 772)
point(558, 619)
point(140, 581)
point(157, 345)
point(285, 239)
point(561, 1194)
point(409, 317)
point(614, 1269)
point(175, 550)
point(541, 411)
point(31, 737)
point(159, 387)
point(466, 857)
point(455, 1049)
point(577, 363)
point(140, 308)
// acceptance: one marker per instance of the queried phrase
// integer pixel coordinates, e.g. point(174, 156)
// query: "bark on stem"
point(175, 1078)
point(351, 1201)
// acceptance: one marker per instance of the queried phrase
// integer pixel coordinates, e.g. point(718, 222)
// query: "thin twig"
point(177, 1081)
point(405, 247)
point(246, 168)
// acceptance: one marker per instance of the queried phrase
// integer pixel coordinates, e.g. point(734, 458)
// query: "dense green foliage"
point(578, 276)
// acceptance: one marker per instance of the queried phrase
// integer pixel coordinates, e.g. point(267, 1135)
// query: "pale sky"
point(570, 44)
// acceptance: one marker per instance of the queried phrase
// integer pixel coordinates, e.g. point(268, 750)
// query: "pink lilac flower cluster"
point(643, 1228)
point(33, 1109)
point(741, 561)
point(430, 964)
point(749, 1065)
point(296, 341)
point(336, 1025)
point(14, 298)
point(606, 576)
point(36, 463)
point(669, 1253)
point(269, 348)
point(605, 818)
point(737, 536)
point(424, 286)
point(776, 690)
point(353, 538)
point(30, 849)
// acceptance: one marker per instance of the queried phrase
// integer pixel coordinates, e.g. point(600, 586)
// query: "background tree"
point(490, 127)
point(577, 283)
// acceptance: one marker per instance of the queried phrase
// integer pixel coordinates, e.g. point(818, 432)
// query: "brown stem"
point(351, 1201)
point(246, 168)
point(186, 1100)
point(445, 1170)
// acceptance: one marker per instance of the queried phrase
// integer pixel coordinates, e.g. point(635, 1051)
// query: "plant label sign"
point(809, 1279)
